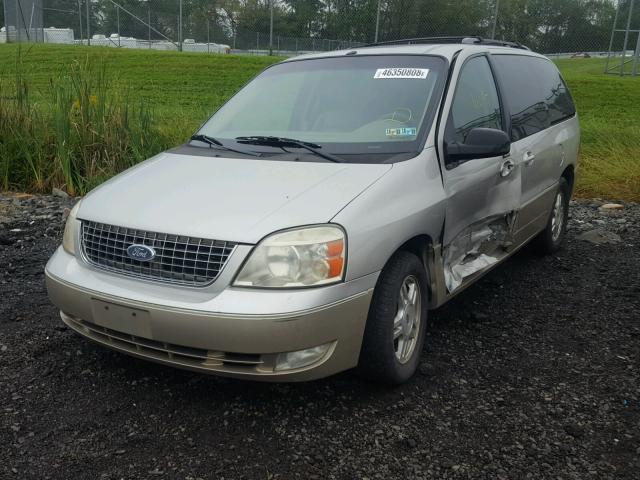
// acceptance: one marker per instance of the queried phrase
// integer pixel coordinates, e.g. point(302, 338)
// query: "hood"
point(233, 199)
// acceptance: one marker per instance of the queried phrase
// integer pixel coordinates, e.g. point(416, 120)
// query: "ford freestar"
point(315, 218)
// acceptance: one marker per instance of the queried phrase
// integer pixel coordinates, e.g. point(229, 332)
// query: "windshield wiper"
point(289, 142)
point(217, 143)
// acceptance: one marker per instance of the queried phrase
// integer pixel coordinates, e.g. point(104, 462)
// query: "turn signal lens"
point(305, 257)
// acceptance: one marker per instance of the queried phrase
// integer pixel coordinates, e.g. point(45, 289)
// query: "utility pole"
point(270, 27)
point(88, 25)
point(636, 58)
point(118, 20)
point(79, 18)
point(180, 26)
point(375, 40)
point(495, 19)
point(613, 33)
point(626, 38)
point(17, 27)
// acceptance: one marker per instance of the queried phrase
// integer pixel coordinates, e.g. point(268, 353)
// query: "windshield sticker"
point(401, 73)
point(402, 132)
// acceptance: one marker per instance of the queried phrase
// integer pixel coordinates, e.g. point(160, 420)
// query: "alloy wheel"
point(406, 323)
point(557, 217)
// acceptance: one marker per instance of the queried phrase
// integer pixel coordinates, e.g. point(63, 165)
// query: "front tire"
point(396, 325)
point(550, 239)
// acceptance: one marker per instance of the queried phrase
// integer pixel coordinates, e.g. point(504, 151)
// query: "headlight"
point(303, 257)
point(71, 231)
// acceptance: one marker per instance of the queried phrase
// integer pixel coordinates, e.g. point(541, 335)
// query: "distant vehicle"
point(313, 220)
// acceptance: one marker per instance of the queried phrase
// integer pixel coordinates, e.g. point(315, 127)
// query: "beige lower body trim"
point(236, 346)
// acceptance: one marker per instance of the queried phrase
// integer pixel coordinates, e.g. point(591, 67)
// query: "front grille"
point(178, 259)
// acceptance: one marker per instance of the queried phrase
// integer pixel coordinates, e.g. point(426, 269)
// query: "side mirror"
point(480, 143)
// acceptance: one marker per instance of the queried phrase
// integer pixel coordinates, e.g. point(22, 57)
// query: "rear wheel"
point(396, 325)
point(550, 239)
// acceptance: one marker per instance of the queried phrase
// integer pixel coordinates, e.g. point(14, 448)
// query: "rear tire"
point(396, 325)
point(550, 239)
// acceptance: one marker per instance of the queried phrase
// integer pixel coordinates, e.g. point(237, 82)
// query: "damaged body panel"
point(480, 216)
point(484, 189)
point(477, 193)
point(476, 248)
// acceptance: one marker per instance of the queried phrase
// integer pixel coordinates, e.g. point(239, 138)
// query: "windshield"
point(376, 106)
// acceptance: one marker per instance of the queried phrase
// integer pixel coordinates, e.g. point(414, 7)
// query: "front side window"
point(475, 103)
point(374, 106)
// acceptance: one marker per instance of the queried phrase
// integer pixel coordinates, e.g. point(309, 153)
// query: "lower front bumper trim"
point(192, 358)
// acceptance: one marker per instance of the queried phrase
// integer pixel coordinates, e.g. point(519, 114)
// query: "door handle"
point(507, 168)
point(528, 158)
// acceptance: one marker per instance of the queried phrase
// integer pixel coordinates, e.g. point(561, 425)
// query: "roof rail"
point(468, 40)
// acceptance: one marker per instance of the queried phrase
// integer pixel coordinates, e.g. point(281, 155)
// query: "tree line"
point(545, 25)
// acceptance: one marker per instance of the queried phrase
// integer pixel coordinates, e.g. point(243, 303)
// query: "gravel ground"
point(531, 373)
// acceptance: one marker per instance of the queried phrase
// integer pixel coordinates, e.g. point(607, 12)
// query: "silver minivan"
point(313, 221)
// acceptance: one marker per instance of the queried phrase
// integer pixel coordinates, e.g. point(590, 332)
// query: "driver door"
point(483, 194)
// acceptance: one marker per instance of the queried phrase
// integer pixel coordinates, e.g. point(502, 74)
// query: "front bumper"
point(231, 344)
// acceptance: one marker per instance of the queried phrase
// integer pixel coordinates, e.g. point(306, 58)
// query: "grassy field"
point(609, 109)
point(175, 92)
point(182, 89)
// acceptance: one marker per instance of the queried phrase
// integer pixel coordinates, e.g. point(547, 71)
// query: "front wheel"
point(397, 320)
point(550, 239)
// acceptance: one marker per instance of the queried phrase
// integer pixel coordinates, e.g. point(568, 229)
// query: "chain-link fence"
point(294, 26)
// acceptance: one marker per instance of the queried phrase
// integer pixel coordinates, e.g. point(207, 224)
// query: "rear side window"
point(557, 95)
point(475, 103)
point(535, 93)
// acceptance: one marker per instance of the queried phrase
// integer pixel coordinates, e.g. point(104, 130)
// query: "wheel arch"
point(423, 247)
point(570, 176)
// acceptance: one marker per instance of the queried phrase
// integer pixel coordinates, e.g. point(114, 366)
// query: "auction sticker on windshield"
point(401, 73)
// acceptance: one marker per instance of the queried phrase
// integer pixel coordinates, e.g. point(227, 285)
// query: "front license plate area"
point(132, 321)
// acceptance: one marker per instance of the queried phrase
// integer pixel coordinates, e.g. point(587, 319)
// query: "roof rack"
point(467, 40)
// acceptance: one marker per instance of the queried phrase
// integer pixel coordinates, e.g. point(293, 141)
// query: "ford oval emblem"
point(141, 253)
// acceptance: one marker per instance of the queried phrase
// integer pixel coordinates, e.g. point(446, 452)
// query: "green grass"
point(172, 93)
point(72, 117)
point(182, 89)
point(609, 110)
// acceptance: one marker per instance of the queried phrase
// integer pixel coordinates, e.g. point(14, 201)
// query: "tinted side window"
point(524, 93)
point(475, 103)
point(557, 95)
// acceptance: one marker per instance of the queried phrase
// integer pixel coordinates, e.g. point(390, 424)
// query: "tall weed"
point(81, 131)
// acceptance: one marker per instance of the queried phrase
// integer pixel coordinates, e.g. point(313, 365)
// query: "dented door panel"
point(477, 247)
point(476, 190)
point(480, 217)
point(483, 194)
